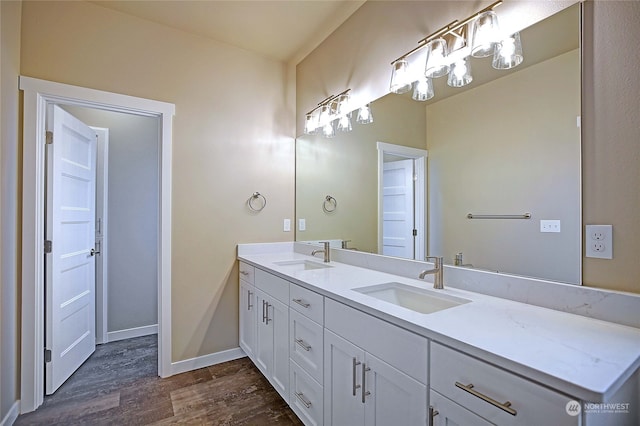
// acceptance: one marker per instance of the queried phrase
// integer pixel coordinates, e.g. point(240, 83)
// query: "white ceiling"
point(286, 30)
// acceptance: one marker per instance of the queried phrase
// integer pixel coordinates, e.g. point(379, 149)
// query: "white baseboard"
point(130, 333)
point(206, 360)
point(12, 415)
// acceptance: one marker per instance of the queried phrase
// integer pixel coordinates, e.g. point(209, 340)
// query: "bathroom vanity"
point(359, 340)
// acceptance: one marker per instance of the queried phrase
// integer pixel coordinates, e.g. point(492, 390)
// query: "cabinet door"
point(391, 396)
point(342, 382)
point(248, 319)
point(448, 413)
point(278, 316)
point(264, 336)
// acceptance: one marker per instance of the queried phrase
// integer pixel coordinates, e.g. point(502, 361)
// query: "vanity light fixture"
point(364, 115)
point(333, 113)
point(449, 50)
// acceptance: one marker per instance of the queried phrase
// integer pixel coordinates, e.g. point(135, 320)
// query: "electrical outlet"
point(287, 225)
point(549, 226)
point(302, 225)
point(599, 241)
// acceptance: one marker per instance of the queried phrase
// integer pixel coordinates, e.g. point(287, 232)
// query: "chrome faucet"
point(436, 271)
point(326, 251)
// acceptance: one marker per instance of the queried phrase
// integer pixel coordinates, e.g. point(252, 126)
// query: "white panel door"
point(70, 267)
point(397, 209)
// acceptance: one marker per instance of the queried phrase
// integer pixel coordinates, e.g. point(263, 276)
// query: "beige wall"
point(346, 167)
point(232, 136)
point(611, 140)
point(9, 195)
point(498, 159)
point(357, 56)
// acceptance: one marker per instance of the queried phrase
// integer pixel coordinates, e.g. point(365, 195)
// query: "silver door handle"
point(249, 305)
point(432, 413)
point(355, 385)
point(365, 392)
point(301, 303)
point(264, 311)
point(304, 400)
point(267, 316)
point(303, 345)
point(92, 252)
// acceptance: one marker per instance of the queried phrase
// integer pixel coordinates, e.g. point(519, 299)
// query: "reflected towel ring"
point(256, 196)
point(330, 204)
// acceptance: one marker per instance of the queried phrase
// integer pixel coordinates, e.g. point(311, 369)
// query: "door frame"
point(102, 188)
point(419, 205)
point(37, 94)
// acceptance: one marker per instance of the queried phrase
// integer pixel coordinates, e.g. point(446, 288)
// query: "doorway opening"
point(402, 201)
point(38, 95)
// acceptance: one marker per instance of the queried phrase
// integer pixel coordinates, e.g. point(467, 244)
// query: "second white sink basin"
point(418, 300)
point(301, 265)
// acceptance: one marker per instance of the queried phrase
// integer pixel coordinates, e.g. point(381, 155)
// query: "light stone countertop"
point(585, 358)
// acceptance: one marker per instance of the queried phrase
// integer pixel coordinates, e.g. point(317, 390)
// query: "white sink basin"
point(301, 265)
point(409, 297)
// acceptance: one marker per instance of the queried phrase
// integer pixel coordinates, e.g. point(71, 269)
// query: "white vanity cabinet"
point(271, 354)
point(491, 393)
point(374, 372)
point(306, 350)
point(247, 309)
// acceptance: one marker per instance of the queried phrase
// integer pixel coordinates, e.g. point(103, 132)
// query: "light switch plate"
point(599, 241)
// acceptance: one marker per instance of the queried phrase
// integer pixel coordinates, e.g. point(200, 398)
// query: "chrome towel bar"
point(499, 216)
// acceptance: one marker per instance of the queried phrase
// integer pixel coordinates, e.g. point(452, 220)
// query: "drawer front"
point(404, 350)
point(495, 394)
point(306, 344)
point(307, 302)
point(306, 398)
point(247, 272)
point(446, 412)
point(272, 285)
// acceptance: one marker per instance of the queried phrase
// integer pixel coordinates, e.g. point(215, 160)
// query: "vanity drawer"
point(306, 344)
point(272, 285)
point(247, 272)
point(495, 394)
point(306, 398)
point(307, 302)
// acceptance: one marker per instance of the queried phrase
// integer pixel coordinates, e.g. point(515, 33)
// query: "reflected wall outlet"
point(302, 225)
point(549, 226)
point(599, 241)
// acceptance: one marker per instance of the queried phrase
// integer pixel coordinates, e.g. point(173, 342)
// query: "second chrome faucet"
point(437, 271)
point(326, 251)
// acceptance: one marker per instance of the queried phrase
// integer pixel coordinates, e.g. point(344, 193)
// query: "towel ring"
point(329, 204)
point(257, 196)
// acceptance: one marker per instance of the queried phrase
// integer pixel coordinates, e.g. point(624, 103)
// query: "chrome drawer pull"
point(355, 386)
point(301, 303)
point(304, 400)
point(365, 392)
point(432, 413)
point(249, 305)
point(303, 345)
point(245, 273)
point(267, 316)
point(504, 406)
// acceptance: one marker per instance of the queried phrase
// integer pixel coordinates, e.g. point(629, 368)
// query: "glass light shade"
point(423, 89)
point(460, 73)
point(344, 123)
point(508, 54)
point(437, 52)
point(400, 79)
point(329, 129)
point(484, 34)
point(310, 124)
point(325, 115)
point(364, 115)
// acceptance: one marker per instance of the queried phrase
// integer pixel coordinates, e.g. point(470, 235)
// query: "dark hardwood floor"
point(118, 385)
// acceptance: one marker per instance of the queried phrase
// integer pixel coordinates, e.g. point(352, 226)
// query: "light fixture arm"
point(328, 100)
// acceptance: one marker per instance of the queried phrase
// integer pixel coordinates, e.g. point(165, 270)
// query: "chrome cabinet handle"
point(365, 392)
point(355, 385)
point(245, 273)
point(432, 413)
point(267, 315)
point(304, 400)
point(301, 303)
point(303, 345)
point(264, 310)
point(504, 406)
point(249, 305)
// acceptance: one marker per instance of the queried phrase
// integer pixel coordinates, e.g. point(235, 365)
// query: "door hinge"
point(49, 137)
point(47, 355)
point(48, 246)
point(415, 232)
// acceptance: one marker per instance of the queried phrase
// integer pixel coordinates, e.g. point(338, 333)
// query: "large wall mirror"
point(504, 149)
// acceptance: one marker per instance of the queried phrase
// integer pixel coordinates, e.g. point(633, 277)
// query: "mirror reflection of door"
point(398, 218)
